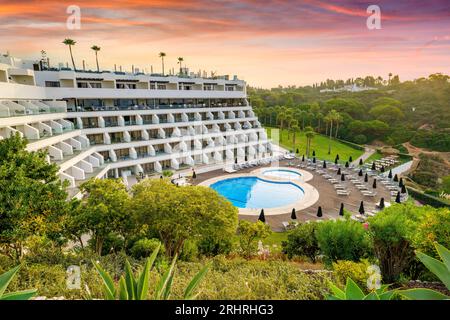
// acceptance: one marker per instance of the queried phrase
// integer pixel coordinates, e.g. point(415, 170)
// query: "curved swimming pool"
point(282, 173)
point(255, 193)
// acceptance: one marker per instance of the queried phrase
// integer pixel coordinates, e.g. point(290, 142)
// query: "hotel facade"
point(116, 124)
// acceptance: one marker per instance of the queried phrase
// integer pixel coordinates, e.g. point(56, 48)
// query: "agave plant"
point(5, 279)
point(440, 268)
point(353, 292)
point(132, 287)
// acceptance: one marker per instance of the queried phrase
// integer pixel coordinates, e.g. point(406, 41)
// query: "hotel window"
point(120, 85)
point(96, 85)
point(82, 85)
point(229, 88)
point(52, 84)
point(161, 86)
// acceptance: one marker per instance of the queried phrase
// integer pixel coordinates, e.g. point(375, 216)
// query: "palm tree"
point(309, 133)
point(390, 75)
point(338, 119)
point(289, 120)
point(162, 55)
point(294, 129)
point(319, 117)
point(180, 60)
point(96, 50)
point(70, 43)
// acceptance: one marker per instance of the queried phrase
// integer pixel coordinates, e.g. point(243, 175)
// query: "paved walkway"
point(367, 153)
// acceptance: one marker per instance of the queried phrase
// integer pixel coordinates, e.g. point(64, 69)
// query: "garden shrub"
point(343, 240)
point(249, 234)
point(433, 227)
point(212, 246)
point(302, 241)
point(357, 271)
point(144, 248)
point(391, 232)
point(360, 139)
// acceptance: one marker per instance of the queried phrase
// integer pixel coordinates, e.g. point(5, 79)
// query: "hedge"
point(428, 199)
point(351, 144)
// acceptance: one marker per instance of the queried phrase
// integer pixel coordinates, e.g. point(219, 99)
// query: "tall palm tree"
point(294, 129)
point(319, 117)
point(289, 120)
point(309, 133)
point(162, 55)
point(390, 75)
point(96, 50)
point(180, 60)
point(292, 123)
point(70, 43)
point(338, 119)
point(281, 116)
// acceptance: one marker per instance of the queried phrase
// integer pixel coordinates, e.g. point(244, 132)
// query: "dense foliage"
point(397, 112)
point(32, 200)
point(343, 240)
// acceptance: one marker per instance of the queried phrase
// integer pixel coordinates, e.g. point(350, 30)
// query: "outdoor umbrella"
point(314, 160)
point(293, 215)
point(350, 159)
point(360, 173)
point(361, 208)
point(360, 162)
point(382, 169)
point(324, 164)
point(303, 158)
point(373, 166)
point(341, 210)
point(390, 174)
point(397, 198)
point(319, 212)
point(262, 217)
point(342, 177)
point(366, 178)
point(347, 165)
point(381, 205)
point(395, 178)
point(194, 175)
point(314, 153)
point(400, 183)
point(374, 185)
point(403, 188)
point(339, 171)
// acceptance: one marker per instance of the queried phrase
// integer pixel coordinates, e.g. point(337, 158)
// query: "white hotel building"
point(114, 124)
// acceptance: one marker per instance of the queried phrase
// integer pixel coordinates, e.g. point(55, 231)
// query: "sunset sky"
point(265, 42)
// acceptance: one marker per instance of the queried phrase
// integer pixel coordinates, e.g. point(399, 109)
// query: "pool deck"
point(327, 197)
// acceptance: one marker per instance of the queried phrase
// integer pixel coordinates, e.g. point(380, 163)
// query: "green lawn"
point(275, 239)
point(373, 157)
point(319, 144)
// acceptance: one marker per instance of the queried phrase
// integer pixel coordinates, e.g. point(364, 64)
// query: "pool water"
point(282, 173)
point(256, 193)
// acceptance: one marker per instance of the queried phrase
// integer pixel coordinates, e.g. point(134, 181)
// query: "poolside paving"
point(328, 199)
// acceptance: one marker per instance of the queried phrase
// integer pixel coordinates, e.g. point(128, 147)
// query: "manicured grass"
point(275, 239)
point(319, 144)
point(373, 157)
